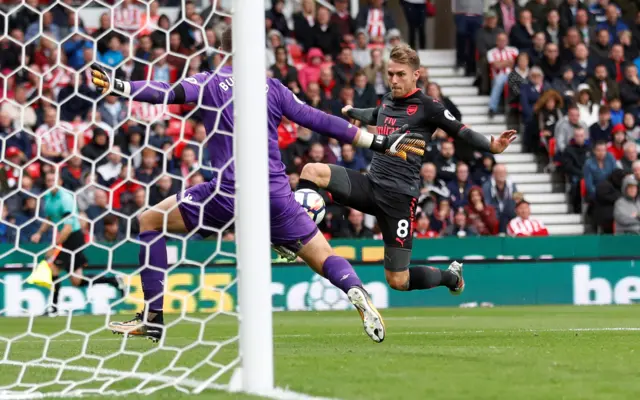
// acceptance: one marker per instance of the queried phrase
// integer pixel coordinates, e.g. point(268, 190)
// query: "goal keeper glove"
point(399, 143)
point(100, 78)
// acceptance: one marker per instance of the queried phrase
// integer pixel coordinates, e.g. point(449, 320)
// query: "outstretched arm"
point(368, 116)
point(397, 144)
point(442, 118)
point(187, 91)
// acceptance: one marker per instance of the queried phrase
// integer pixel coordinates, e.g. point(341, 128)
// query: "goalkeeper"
point(291, 228)
point(390, 190)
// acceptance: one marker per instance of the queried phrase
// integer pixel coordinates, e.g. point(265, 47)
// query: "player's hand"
point(503, 141)
point(35, 238)
point(100, 78)
point(345, 110)
point(399, 143)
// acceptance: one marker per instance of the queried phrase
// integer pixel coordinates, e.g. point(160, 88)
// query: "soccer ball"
point(312, 203)
point(322, 295)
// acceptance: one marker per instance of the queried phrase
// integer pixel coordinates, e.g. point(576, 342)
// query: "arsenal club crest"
point(412, 109)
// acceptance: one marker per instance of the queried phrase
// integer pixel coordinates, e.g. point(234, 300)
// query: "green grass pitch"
point(501, 353)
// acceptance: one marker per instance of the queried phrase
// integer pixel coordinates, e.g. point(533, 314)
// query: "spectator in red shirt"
point(524, 225)
point(311, 71)
point(481, 215)
point(328, 84)
point(376, 19)
point(617, 63)
point(501, 60)
point(123, 188)
point(423, 227)
point(616, 146)
point(287, 133)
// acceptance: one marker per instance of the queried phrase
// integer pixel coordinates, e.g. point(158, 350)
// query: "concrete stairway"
point(545, 193)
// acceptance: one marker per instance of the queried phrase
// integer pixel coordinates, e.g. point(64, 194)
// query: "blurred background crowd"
point(565, 73)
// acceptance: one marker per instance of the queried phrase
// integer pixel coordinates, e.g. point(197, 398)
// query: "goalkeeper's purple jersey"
point(216, 108)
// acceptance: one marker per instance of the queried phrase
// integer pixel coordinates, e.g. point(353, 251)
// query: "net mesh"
point(150, 153)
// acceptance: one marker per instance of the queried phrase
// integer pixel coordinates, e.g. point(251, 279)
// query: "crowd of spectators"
point(110, 153)
point(567, 72)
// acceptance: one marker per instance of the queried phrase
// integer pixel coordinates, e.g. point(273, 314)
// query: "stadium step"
point(454, 81)
point(514, 148)
point(469, 100)
point(520, 178)
point(559, 219)
point(515, 158)
point(472, 119)
point(566, 229)
point(546, 198)
point(468, 111)
point(527, 188)
point(435, 73)
point(559, 208)
point(523, 167)
point(459, 90)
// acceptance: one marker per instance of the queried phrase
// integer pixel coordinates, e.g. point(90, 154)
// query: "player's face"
point(402, 78)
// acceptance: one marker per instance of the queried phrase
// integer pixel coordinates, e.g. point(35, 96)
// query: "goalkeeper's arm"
point(187, 91)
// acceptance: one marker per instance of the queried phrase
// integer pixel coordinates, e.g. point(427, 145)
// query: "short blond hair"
point(403, 54)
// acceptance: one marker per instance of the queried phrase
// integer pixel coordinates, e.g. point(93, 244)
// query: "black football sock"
point(56, 292)
point(428, 277)
point(307, 184)
point(109, 280)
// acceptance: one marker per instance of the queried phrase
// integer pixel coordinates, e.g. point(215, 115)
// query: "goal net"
point(117, 158)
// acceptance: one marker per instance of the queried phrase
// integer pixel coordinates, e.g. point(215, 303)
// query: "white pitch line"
point(405, 333)
point(276, 393)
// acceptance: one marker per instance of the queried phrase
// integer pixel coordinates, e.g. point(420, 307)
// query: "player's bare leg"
point(319, 255)
point(150, 322)
point(314, 176)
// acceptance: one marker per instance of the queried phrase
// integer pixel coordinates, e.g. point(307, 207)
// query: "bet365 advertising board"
point(210, 288)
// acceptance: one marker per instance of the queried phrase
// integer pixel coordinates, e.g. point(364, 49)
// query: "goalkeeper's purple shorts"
point(290, 225)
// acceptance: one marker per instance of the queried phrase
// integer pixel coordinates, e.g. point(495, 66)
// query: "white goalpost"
point(252, 198)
